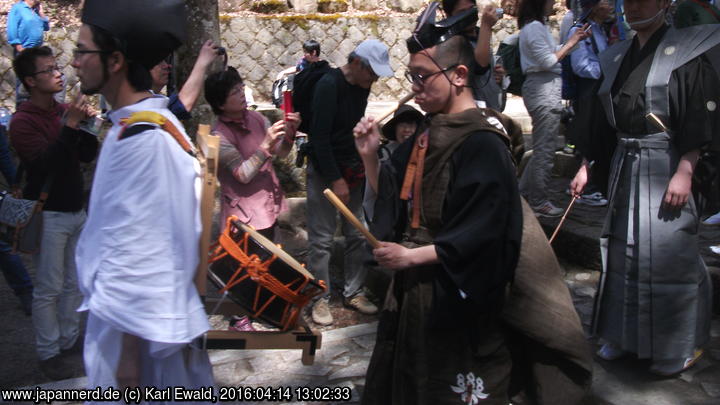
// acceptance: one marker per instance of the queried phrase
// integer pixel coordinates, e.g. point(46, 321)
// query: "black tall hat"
point(148, 30)
point(429, 33)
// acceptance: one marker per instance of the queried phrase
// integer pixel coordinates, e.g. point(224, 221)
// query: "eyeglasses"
point(48, 70)
point(78, 52)
point(419, 79)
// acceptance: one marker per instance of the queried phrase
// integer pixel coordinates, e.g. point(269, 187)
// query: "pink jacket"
point(259, 202)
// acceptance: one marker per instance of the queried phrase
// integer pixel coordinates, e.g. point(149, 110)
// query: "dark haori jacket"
point(472, 212)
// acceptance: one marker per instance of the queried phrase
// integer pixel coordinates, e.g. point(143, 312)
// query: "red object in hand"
point(287, 105)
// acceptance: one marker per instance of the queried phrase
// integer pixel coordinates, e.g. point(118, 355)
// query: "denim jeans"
point(321, 225)
point(56, 296)
point(14, 270)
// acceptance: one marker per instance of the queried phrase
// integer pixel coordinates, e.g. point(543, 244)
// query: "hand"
point(273, 136)
point(77, 111)
point(208, 53)
point(499, 74)
point(678, 191)
point(580, 34)
point(341, 190)
point(18, 47)
point(367, 137)
point(292, 122)
point(393, 256)
point(580, 181)
point(488, 17)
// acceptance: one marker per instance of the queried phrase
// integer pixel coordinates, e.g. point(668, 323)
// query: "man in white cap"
point(138, 252)
point(338, 103)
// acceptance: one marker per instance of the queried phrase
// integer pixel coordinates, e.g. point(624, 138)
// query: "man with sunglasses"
point(46, 137)
point(338, 103)
point(138, 253)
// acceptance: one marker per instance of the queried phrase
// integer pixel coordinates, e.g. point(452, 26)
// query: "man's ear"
point(29, 82)
point(460, 78)
point(115, 62)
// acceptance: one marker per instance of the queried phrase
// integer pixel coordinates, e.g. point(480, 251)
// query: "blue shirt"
point(25, 27)
point(585, 62)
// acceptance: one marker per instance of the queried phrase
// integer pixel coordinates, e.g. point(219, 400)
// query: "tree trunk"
point(202, 24)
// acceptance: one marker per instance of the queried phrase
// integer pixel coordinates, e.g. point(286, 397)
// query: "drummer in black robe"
point(660, 93)
point(450, 197)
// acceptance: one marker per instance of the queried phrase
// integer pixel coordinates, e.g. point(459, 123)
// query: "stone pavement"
point(343, 359)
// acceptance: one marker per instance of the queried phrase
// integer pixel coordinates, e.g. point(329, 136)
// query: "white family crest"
point(470, 388)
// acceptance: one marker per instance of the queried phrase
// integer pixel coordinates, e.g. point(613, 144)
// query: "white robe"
point(137, 255)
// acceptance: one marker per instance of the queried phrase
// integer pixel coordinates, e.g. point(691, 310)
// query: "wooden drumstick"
point(560, 224)
point(387, 113)
point(350, 217)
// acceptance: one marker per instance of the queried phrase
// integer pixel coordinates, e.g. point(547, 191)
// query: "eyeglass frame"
point(53, 69)
point(422, 78)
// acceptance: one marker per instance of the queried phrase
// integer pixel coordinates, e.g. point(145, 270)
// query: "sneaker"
point(667, 368)
point(55, 368)
point(595, 199)
point(241, 324)
point(610, 352)
point(547, 209)
point(712, 220)
point(360, 303)
point(715, 249)
point(321, 313)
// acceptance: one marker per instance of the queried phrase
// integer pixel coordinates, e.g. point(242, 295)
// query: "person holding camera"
point(46, 137)
point(250, 189)
point(181, 103)
point(539, 57)
point(487, 76)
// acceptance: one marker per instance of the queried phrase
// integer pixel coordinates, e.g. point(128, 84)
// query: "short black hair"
point(456, 50)
point(24, 62)
point(529, 11)
point(218, 86)
point(138, 75)
point(311, 46)
point(449, 5)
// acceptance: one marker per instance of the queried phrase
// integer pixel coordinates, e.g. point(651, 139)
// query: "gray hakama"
point(654, 297)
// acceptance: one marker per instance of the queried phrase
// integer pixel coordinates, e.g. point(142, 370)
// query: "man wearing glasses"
point(138, 253)
point(338, 103)
point(450, 200)
point(46, 137)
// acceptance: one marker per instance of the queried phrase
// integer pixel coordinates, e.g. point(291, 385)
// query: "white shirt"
point(537, 49)
point(138, 253)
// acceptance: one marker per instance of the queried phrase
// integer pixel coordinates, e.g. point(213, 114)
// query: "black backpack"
point(509, 51)
point(304, 89)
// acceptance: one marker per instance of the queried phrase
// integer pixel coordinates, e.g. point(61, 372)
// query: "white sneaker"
point(715, 249)
point(546, 209)
point(321, 312)
point(610, 352)
point(712, 220)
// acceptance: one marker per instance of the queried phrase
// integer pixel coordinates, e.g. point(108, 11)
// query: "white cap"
point(376, 53)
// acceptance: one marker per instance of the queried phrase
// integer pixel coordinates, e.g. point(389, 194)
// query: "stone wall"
point(262, 45)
